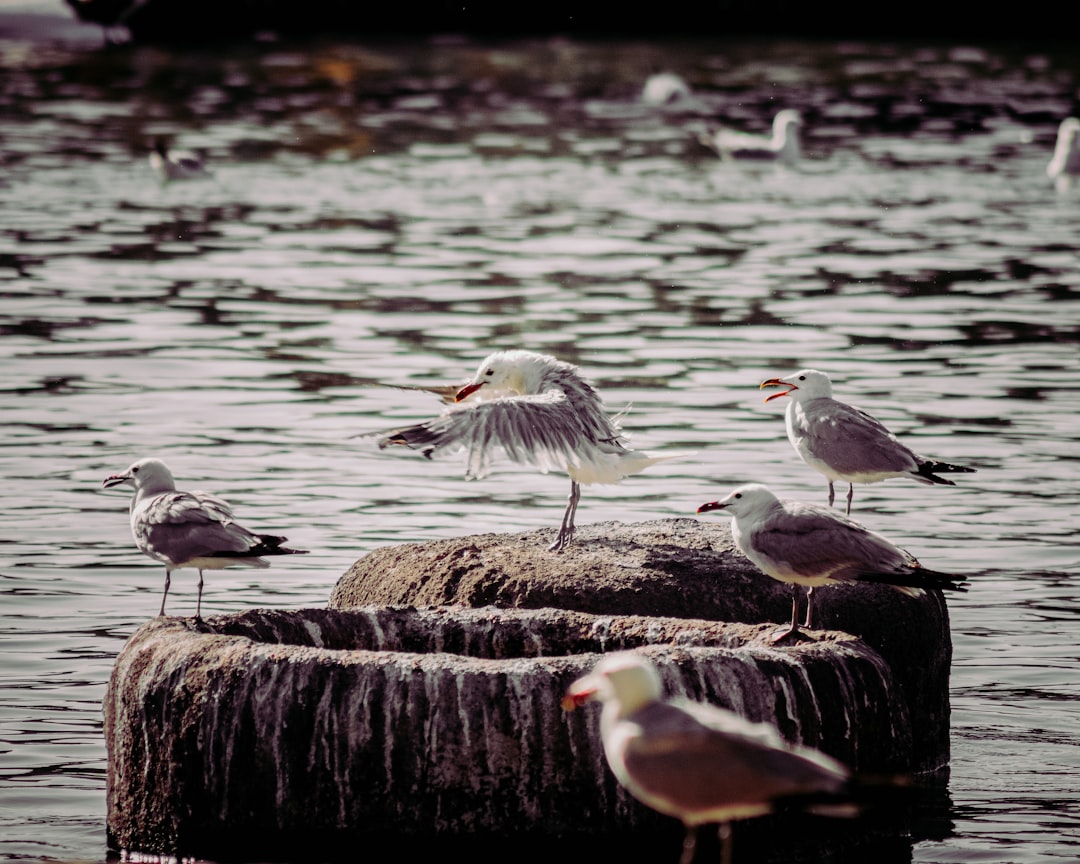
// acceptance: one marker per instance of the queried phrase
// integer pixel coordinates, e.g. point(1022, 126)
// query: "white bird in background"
point(538, 411)
point(189, 529)
point(700, 763)
point(805, 544)
point(665, 88)
point(844, 443)
point(782, 146)
point(1064, 166)
point(176, 164)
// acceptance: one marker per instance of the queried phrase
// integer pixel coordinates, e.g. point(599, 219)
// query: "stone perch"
point(273, 734)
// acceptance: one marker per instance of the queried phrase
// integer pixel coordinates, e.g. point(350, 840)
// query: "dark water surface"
point(391, 212)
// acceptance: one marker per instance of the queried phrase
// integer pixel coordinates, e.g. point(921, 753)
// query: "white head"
point(747, 500)
point(1068, 130)
point(804, 385)
point(1066, 159)
point(785, 120)
point(517, 372)
point(148, 476)
point(625, 680)
point(786, 133)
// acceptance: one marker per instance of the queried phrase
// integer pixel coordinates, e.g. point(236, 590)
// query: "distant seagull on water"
point(1064, 166)
point(539, 411)
point(810, 545)
point(176, 164)
point(189, 529)
point(782, 145)
point(844, 443)
point(700, 763)
point(665, 88)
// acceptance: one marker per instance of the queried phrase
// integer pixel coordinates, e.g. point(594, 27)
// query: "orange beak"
point(467, 391)
point(576, 698)
point(776, 382)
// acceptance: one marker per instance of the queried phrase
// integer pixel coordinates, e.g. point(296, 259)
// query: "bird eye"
point(802, 377)
point(738, 494)
point(135, 470)
point(490, 372)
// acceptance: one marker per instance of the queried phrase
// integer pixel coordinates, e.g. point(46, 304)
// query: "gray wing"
point(701, 767)
point(814, 541)
point(545, 430)
point(851, 441)
point(180, 526)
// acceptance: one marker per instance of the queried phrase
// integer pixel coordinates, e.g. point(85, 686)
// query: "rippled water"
point(391, 212)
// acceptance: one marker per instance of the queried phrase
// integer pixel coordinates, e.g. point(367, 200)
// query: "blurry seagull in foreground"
point(539, 411)
point(701, 763)
point(782, 145)
point(189, 529)
point(1064, 167)
point(176, 164)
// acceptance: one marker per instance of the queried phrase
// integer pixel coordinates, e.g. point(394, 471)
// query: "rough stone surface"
point(273, 734)
point(681, 568)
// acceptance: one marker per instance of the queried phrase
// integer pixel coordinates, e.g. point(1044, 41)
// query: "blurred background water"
point(389, 212)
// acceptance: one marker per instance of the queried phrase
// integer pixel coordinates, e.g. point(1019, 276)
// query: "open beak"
point(114, 480)
point(716, 505)
point(467, 391)
point(776, 382)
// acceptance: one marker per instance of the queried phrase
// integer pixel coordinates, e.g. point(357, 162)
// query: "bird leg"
point(168, 579)
point(689, 845)
point(850, 492)
point(793, 632)
point(724, 833)
point(566, 532)
point(198, 603)
point(832, 493)
point(809, 607)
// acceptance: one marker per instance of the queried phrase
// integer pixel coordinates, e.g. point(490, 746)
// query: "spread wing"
point(851, 441)
point(717, 768)
point(179, 526)
point(543, 430)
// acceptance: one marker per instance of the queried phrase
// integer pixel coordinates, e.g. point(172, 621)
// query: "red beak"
point(575, 699)
point(712, 505)
point(466, 391)
point(776, 382)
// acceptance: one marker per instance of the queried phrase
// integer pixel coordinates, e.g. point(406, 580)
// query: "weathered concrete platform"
point(269, 734)
point(680, 568)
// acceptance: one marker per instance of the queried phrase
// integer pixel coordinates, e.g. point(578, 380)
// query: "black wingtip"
point(929, 470)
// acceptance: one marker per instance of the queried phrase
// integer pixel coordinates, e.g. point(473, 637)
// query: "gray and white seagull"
point(536, 410)
point(701, 763)
point(189, 529)
point(844, 443)
point(810, 545)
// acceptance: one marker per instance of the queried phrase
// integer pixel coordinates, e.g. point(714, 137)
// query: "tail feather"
point(928, 470)
point(917, 577)
point(268, 545)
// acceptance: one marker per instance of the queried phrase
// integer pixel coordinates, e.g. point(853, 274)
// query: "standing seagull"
point(847, 444)
point(1064, 166)
point(189, 529)
point(805, 544)
point(539, 411)
point(783, 145)
point(698, 762)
